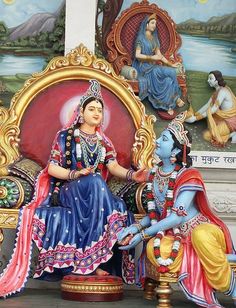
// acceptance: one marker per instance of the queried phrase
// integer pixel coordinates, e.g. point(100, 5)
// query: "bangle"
point(144, 236)
point(180, 210)
point(72, 175)
point(129, 175)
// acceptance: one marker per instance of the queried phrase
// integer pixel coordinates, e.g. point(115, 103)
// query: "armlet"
point(179, 210)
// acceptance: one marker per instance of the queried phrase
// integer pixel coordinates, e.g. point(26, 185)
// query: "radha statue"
point(185, 235)
point(74, 219)
point(158, 83)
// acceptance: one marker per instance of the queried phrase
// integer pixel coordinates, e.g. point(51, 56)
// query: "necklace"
point(82, 149)
point(90, 139)
point(163, 263)
point(86, 147)
point(162, 178)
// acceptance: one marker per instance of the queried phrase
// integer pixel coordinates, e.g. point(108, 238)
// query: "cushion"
point(129, 72)
point(26, 169)
point(92, 288)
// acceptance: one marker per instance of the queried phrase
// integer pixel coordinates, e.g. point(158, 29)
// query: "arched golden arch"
point(79, 64)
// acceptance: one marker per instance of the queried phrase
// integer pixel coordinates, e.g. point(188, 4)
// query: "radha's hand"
point(134, 242)
point(140, 175)
point(133, 229)
point(84, 171)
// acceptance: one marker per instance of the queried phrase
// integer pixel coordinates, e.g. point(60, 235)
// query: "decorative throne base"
point(92, 288)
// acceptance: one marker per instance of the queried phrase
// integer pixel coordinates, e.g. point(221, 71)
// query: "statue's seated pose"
point(158, 83)
point(74, 218)
point(220, 112)
point(187, 237)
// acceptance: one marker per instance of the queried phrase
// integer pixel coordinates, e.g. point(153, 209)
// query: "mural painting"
point(31, 33)
point(207, 29)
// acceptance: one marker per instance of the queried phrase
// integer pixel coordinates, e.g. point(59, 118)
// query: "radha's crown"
point(153, 16)
point(93, 91)
point(177, 128)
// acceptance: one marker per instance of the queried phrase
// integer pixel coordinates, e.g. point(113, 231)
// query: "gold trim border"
point(8, 218)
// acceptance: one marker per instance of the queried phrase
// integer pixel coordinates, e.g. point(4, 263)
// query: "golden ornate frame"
point(79, 64)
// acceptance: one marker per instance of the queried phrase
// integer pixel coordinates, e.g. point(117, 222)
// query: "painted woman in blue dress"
point(74, 219)
point(158, 83)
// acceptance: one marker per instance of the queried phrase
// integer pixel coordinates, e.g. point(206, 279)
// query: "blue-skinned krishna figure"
point(186, 236)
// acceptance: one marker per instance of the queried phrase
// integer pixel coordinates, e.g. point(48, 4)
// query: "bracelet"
point(144, 236)
point(180, 210)
point(148, 58)
point(129, 174)
point(72, 175)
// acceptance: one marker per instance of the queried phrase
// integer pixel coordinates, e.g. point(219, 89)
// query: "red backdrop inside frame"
point(42, 119)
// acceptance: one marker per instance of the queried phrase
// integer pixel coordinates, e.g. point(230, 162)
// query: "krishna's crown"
point(94, 90)
point(177, 128)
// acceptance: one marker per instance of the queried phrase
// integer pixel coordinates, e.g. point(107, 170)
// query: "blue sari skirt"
point(79, 235)
point(159, 84)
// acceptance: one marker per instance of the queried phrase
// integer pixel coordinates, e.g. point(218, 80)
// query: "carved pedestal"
point(92, 288)
point(149, 289)
point(164, 292)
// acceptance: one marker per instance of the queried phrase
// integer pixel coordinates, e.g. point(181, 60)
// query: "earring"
point(81, 119)
point(173, 158)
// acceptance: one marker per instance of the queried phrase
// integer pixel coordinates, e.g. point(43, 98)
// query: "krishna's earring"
point(173, 158)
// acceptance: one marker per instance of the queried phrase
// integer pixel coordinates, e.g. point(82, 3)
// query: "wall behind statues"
point(220, 183)
point(80, 24)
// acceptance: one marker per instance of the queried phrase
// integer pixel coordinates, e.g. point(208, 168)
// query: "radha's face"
point(93, 113)
point(164, 145)
point(151, 25)
point(212, 80)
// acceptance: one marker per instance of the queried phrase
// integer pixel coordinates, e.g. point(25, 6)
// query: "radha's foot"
point(100, 272)
point(170, 112)
point(180, 103)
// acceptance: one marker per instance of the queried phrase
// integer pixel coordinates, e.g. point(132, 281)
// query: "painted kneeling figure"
point(186, 236)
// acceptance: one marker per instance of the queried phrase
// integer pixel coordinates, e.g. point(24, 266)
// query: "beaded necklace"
point(155, 173)
point(90, 139)
point(82, 149)
point(86, 148)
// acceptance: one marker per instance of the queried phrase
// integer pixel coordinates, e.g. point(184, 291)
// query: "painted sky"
point(19, 11)
point(181, 10)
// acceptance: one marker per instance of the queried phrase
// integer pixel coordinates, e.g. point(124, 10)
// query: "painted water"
point(204, 54)
point(199, 54)
point(11, 64)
